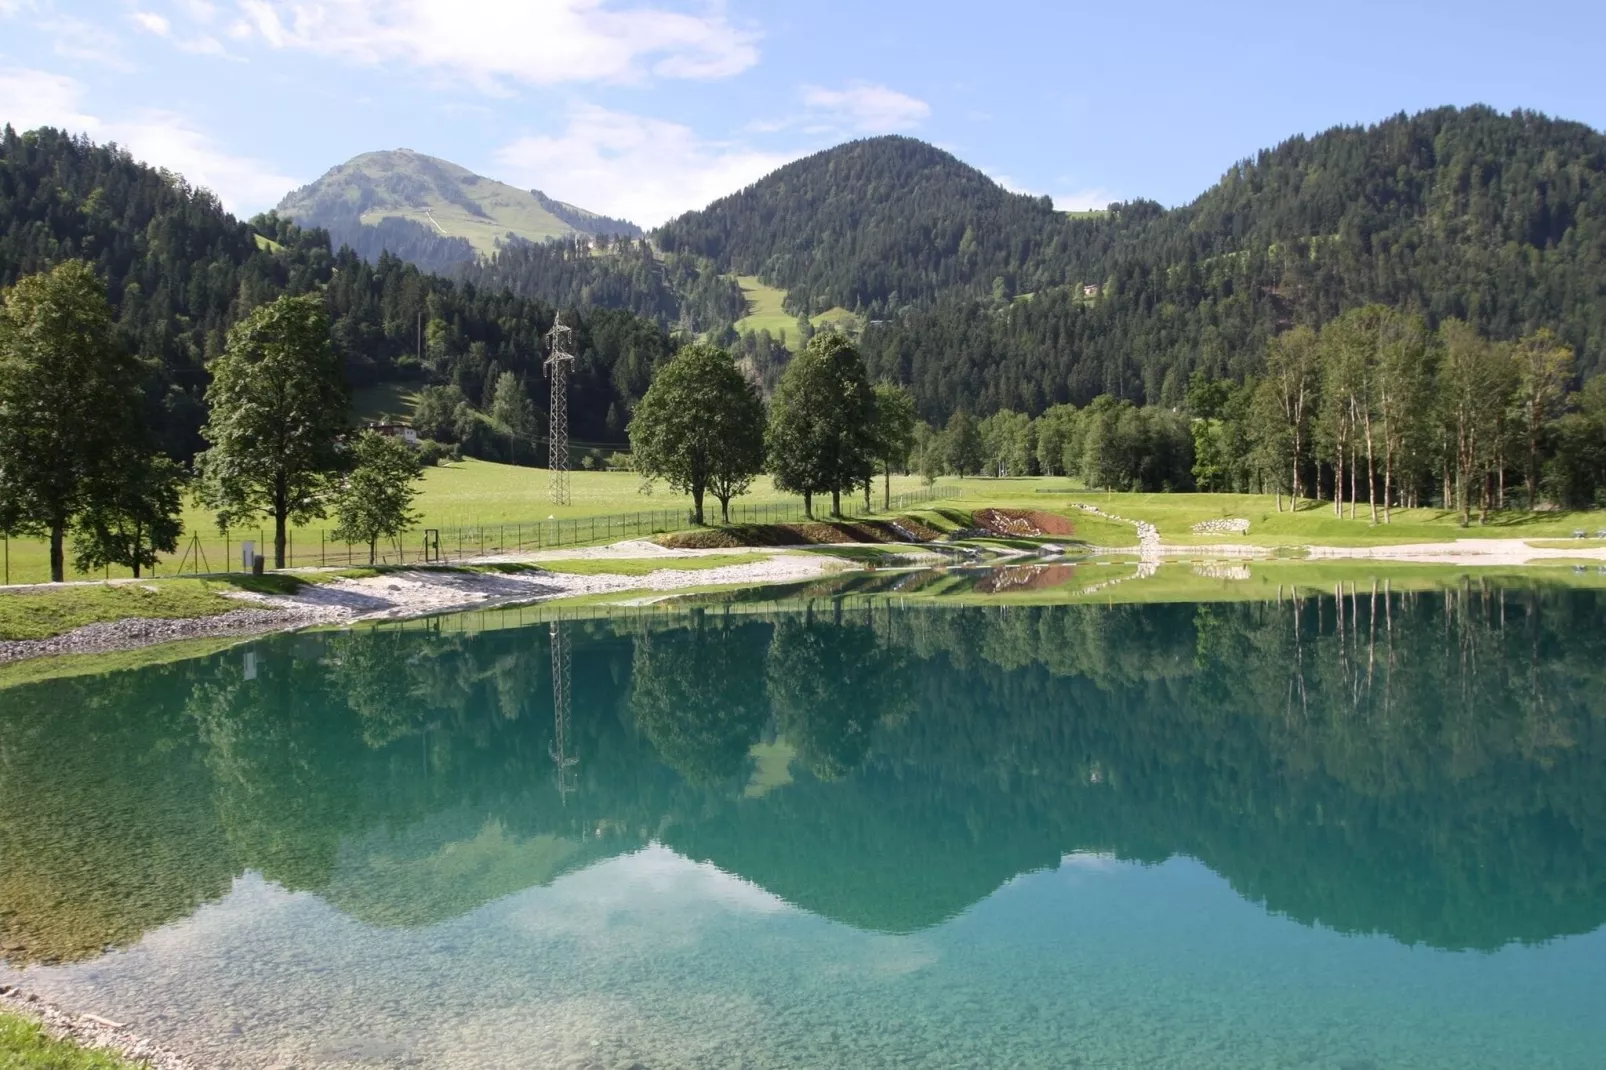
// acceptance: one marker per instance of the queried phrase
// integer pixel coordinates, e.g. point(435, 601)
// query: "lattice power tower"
point(562, 761)
point(557, 369)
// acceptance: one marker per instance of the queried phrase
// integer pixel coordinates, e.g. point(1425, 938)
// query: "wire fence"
point(443, 544)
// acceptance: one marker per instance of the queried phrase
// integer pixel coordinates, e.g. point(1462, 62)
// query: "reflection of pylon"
point(561, 758)
point(557, 369)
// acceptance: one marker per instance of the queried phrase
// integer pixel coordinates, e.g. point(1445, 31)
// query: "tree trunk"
point(58, 555)
point(808, 504)
point(281, 513)
point(279, 524)
point(724, 509)
point(1388, 483)
point(697, 505)
point(1338, 480)
point(1293, 497)
point(1371, 471)
point(1533, 466)
point(373, 550)
point(836, 501)
point(886, 488)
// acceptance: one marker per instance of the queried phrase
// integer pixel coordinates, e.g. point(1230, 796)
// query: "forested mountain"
point(180, 271)
point(617, 272)
point(879, 224)
point(1496, 219)
point(432, 212)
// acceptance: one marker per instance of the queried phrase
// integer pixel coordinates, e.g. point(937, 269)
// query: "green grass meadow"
point(468, 501)
point(482, 507)
point(764, 312)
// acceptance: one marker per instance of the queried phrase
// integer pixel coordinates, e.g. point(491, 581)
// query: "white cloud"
point(167, 139)
point(866, 108)
point(82, 39)
point(203, 45)
point(537, 42)
point(645, 170)
point(200, 10)
point(31, 98)
point(151, 22)
point(1084, 200)
point(17, 7)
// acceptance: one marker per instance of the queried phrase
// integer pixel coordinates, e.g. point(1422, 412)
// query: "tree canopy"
point(700, 427)
point(278, 408)
point(70, 418)
point(822, 432)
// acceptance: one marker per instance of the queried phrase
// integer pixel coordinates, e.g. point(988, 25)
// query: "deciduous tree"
point(134, 515)
point(511, 407)
point(68, 402)
point(1544, 370)
point(700, 427)
point(895, 421)
point(375, 500)
point(279, 406)
point(821, 434)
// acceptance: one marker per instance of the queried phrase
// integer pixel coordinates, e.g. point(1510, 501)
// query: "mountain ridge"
point(434, 212)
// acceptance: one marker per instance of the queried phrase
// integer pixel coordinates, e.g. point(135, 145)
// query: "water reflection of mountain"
point(1421, 766)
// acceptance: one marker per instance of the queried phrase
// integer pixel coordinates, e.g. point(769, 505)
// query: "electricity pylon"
point(562, 760)
point(557, 369)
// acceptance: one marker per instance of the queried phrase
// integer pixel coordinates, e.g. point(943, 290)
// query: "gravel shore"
point(418, 592)
point(92, 1031)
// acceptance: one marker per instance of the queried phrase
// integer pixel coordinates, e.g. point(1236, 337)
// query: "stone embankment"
point(1148, 535)
point(1222, 527)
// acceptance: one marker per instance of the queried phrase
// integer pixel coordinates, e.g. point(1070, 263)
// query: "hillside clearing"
point(765, 312)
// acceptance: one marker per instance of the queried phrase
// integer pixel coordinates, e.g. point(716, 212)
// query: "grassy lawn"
point(384, 403)
point(483, 507)
point(1175, 514)
point(40, 613)
point(25, 1046)
point(764, 312)
point(502, 501)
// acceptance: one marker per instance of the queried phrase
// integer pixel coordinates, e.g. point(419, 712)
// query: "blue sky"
point(646, 108)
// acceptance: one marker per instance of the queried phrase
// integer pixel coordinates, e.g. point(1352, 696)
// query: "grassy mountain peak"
point(448, 200)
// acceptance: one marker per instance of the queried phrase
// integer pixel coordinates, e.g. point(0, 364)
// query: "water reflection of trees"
point(1421, 765)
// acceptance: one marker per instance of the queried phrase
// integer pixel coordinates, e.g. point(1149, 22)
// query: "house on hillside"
point(401, 431)
point(1091, 289)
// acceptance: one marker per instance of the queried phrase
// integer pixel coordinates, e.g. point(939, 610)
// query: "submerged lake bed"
point(846, 826)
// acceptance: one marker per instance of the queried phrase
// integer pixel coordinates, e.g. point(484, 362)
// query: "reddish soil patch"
point(1026, 578)
point(806, 533)
point(919, 529)
point(1031, 523)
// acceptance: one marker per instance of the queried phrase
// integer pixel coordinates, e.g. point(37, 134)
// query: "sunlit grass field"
point(1314, 523)
point(764, 312)
point(467, 500)
point(503, 502)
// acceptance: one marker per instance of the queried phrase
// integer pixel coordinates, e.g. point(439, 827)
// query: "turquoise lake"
point(1349, 833)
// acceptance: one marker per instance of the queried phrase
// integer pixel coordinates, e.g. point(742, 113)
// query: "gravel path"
point(418, 592)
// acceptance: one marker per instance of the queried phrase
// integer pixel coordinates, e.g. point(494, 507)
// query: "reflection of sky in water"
point(651, 960)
